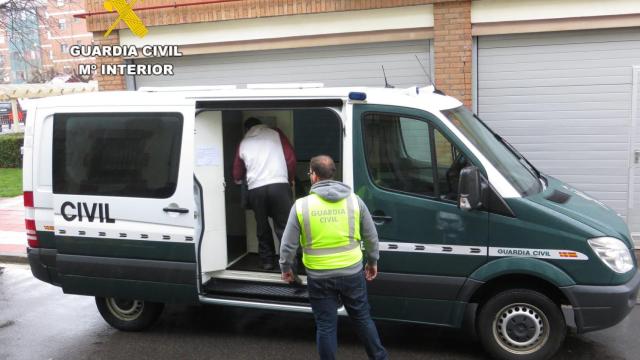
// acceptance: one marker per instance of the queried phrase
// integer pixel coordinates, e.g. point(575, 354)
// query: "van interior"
point(238, 273)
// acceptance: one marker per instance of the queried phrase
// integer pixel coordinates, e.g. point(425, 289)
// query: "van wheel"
point(521, 324)
point(129, 315)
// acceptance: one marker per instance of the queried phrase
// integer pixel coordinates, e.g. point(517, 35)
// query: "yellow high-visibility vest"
point(330, 232)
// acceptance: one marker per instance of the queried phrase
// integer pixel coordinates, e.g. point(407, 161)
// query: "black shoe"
point(268, 266)
point(297, 282)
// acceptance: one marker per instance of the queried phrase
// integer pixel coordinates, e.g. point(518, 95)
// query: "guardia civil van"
point(129, 198)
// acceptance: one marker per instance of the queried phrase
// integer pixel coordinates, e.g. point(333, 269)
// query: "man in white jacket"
point(267, 160)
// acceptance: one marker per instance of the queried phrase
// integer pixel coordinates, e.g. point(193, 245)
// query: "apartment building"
point(5, 60)
point(60, 30)
point(20, 45)
point(35, 44)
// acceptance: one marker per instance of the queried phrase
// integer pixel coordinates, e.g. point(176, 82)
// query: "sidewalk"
point(13, 239)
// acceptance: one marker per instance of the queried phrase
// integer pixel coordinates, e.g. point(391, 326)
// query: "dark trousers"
point(352, 290)
point(270, 201)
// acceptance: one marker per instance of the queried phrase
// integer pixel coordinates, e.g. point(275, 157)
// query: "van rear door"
point(123, 202)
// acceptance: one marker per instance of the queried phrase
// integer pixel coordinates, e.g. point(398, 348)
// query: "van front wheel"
point(128, 315)
point(521, 324)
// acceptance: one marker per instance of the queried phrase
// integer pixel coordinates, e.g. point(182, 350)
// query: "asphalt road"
point(37, 321)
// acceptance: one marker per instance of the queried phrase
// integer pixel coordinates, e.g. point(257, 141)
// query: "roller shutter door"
point(344, 65)
point(564, 100)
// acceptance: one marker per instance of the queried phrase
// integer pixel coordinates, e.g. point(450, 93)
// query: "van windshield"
point(511, 164)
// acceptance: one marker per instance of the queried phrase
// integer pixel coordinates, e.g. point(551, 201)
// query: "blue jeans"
point(352, 290)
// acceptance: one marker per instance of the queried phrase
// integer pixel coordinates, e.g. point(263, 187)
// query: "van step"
point(257, 302)
point(252, 289)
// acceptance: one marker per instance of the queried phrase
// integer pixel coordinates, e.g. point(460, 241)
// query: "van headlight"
point(613, 252)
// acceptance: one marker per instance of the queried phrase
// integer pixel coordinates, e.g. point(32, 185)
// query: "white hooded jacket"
point(262, 154)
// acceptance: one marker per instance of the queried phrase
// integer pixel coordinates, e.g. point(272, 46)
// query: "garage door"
point(345, 65)
point(564, 100)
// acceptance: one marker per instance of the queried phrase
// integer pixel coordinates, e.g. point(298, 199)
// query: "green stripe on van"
point(130, 289)
point(46, 239)
point(122, 248)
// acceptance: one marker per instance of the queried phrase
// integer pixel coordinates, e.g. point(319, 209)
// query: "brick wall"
point(108, 82)
point(53, 38)
point(452, 43)
point(234, 10)
point(452, 48)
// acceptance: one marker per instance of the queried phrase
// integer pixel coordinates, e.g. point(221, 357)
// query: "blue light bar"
point(360, 96)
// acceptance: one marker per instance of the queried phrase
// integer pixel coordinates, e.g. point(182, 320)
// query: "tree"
point(19, 21)
point(3, 75)
point(25, 22)
point(42, 76)
point(76, 77)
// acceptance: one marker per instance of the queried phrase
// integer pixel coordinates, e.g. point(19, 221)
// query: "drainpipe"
point(145, 8)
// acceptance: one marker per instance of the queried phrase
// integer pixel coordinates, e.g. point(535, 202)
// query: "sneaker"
point(268, 266)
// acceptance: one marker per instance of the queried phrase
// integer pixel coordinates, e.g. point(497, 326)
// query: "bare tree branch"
point(26, 24)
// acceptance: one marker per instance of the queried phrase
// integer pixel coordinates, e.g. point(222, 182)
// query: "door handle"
point(380, 218)
point(176, 210)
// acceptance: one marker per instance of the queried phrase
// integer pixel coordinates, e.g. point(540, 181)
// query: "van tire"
point(521, 324)
point(129, 315)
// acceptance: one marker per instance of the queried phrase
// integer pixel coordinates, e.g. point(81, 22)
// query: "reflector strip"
point(27, 197)
point(32, 237)
point(568, 254)
point(551, 254)
point(30, 224)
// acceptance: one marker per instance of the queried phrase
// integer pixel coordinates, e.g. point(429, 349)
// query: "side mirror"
point(470, 189)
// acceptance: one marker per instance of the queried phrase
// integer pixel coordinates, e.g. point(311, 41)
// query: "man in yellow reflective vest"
point(330, 224)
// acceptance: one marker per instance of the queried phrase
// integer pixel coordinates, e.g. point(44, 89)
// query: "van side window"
point(444, 149)
point(398, 153)
point(414, 134)
point(117, 154)
point(450, 162)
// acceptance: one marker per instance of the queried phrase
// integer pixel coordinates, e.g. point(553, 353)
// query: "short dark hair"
point(251, 122)
point(323, 166)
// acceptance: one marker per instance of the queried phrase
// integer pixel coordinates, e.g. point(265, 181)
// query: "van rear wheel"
point(129, 315)
point(521, 324)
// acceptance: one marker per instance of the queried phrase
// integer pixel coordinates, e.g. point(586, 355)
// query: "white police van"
point(129, 198)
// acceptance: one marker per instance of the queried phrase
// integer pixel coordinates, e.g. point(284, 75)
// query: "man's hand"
point(288, 277)
point(370, 272)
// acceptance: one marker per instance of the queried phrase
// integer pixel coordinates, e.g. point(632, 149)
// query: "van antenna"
point(427, 74)
point(435, 89)
point(386, 83)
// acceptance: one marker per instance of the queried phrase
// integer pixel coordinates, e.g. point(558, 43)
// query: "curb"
point(14, 258)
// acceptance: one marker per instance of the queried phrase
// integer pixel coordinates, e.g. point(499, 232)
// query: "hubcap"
point(521, 328)
point(126, 310)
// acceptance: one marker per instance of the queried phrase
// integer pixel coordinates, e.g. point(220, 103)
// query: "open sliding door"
point(210, 188)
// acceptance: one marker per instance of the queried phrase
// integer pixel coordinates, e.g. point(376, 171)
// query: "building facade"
point(61, 30)
point(21, 37)
point(558, 79)
point(35, 44)
point(5, 61)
